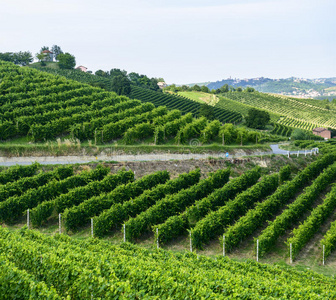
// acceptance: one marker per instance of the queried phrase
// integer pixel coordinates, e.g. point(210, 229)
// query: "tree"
point(134, 77)
point(121, 85)
point(44, 48)
point(257, 118)
point(18, 58)
point(66, 61)
point(224, 88)
point(22, 58)
point(196, 88)
point(249, 89)
point(205, 89)
point(239, 89)
point(7, 56)
point(102, 73)
point(298, 134)
point(117, 72)
point(40, 57)
point(206, 111)
point(56, 50)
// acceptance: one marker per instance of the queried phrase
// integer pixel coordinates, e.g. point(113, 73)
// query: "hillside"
point(304, 88)
point(186, 212)
point(201, 97)
point(184, 104)
point(38, 107)
point(96, 269)
point(301, 113)
point(143, 94)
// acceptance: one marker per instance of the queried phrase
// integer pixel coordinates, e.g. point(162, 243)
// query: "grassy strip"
point(52, 149)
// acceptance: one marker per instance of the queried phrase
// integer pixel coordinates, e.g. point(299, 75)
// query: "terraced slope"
point(291, 111)
point(184, 104)
point(38, 106)
point(96, 269)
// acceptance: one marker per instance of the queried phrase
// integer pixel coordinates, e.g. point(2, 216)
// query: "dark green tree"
point(299, 134)
point(44, 48)
point(249, 89)
point(121, 85)
point(206, 111)
point(205, 89)
point(66, 61)
point(196, 88)
point(56, 50)
point(134, 77)
point(117, 72)
point(102, 73)
point(257, 118)
point(19, 58)
point(224, 88)
point(6, 56)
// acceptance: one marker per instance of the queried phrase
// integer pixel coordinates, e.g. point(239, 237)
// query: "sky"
point(183, 41)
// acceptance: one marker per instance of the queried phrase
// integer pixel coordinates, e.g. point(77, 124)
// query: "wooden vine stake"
point(59, 224)
point(124, 227)
point(28, 218)
point(191, 249)
point(323, 254)
point(257, 250)
point(290, 253)
point(91, 227)
point(157, 238)
point(223, 244)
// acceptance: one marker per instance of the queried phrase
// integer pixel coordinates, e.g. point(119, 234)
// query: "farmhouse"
point(323, 132)
point(161, 84)
point(47, 55)
point(82, 68)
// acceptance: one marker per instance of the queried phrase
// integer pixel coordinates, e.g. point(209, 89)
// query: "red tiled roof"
point(319, 129)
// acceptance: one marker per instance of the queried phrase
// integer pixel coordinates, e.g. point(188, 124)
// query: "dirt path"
point(8, 161)
point(238, 154)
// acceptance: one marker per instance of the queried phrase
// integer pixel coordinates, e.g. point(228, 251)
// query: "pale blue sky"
point(182, 41)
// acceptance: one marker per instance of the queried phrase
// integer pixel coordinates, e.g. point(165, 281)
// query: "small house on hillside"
point(161, 84)
point(82, 68)
point(47, 55)
point(323, 132)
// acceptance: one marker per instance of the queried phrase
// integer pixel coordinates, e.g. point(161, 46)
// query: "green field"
point(201, 97)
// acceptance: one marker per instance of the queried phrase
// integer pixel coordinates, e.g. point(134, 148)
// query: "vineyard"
point(63, 268)
point(202, 208)
point(172, 102)
point(300, 113)
point(41, 107)
point(184, 104)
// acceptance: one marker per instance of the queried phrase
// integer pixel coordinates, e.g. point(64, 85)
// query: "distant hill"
point(298, 87)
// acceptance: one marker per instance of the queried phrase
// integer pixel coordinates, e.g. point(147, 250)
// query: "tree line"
point(224, 89)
